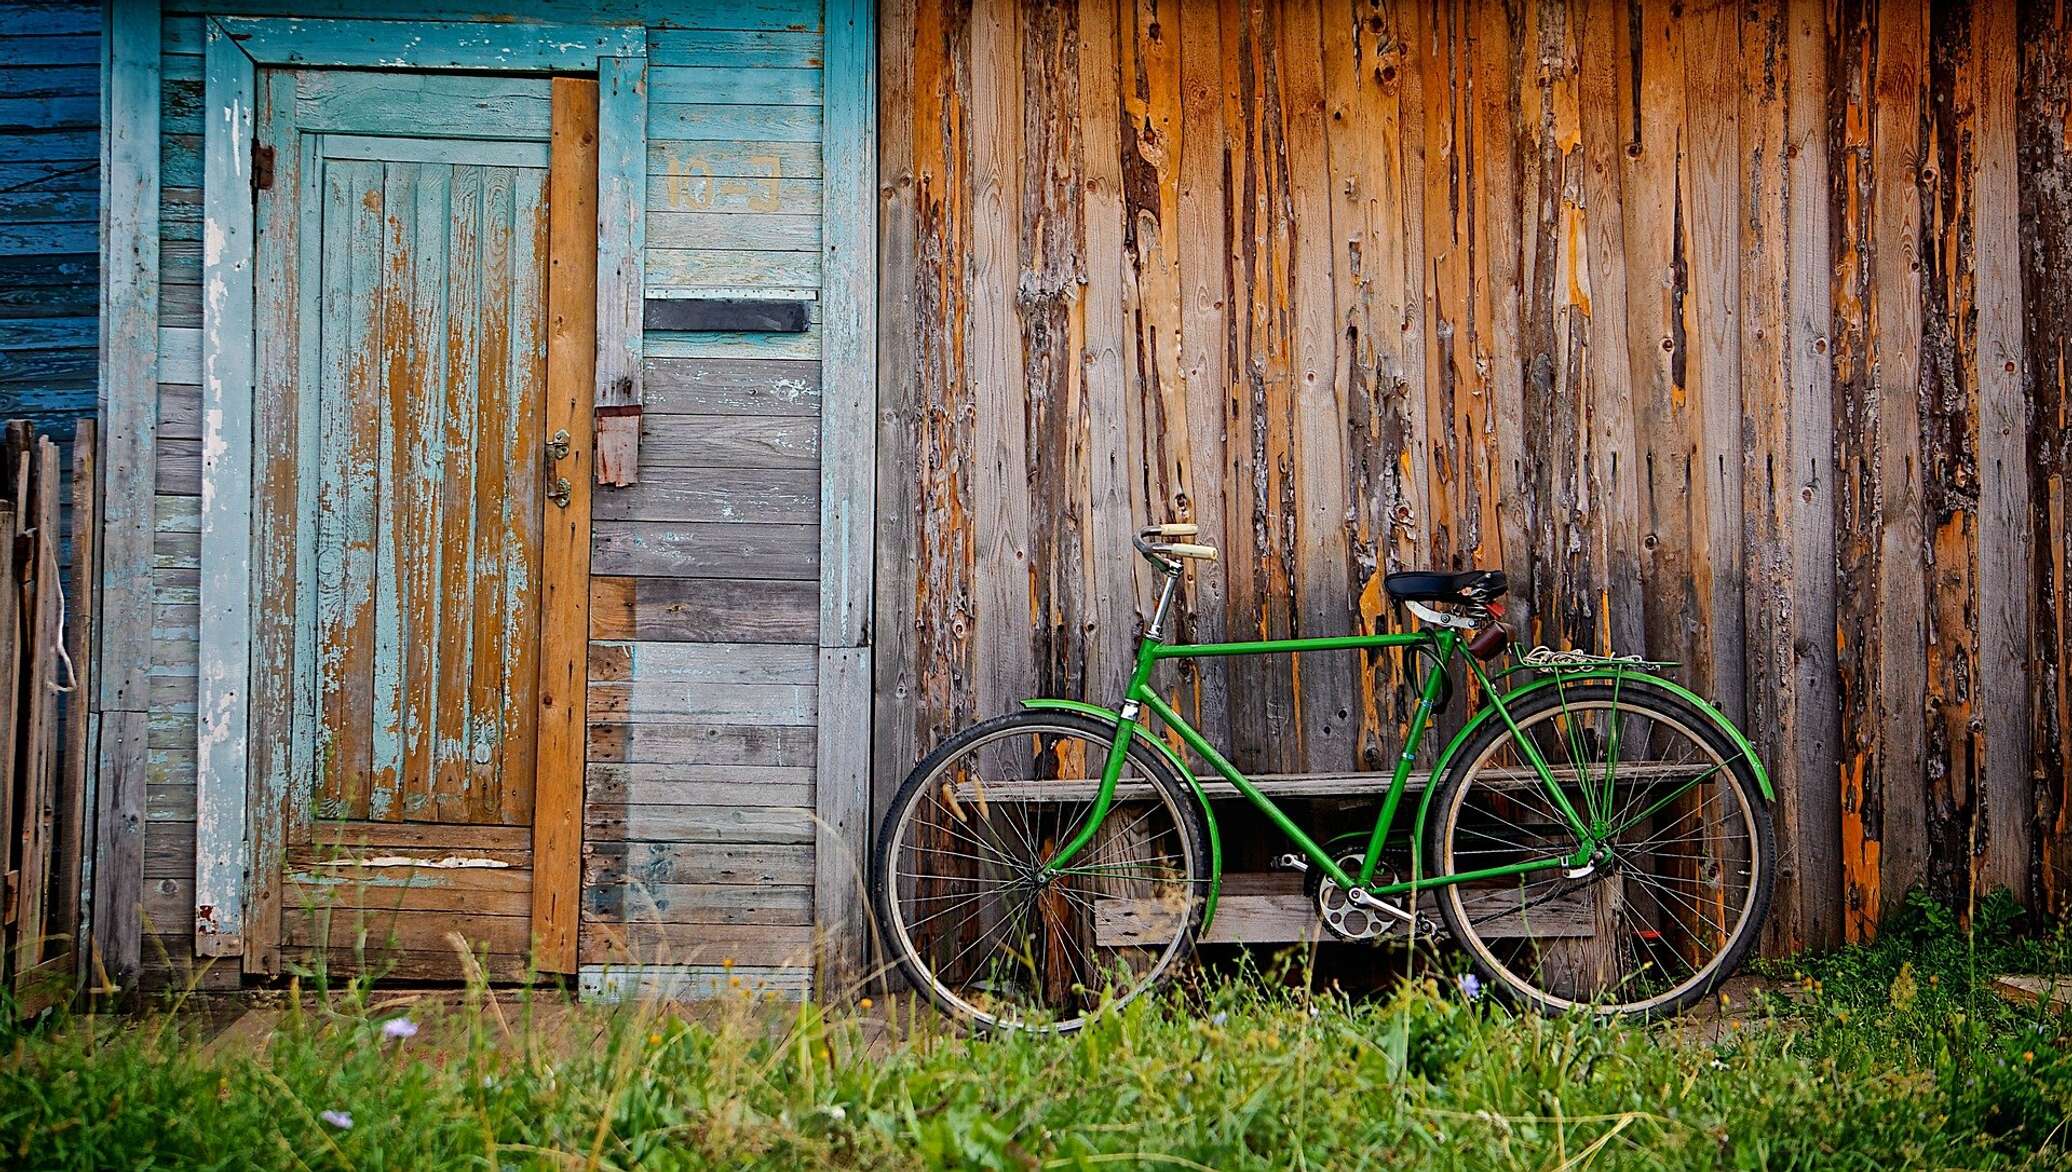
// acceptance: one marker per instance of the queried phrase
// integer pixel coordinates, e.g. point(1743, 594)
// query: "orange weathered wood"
point(1637, 301)
point(565, 568)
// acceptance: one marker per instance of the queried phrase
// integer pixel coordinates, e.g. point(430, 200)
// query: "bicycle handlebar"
point(1169, 554)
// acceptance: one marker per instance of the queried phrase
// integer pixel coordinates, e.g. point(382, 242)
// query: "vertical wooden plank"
point(1325, 711)
point(848, 465)
point(1712, 81)
point(350, 275)
point(943, 583)
point(502, 449)
point(1260, 557)
point(848, 326)
point(12, 647)
point(1810, 760)
point(841, 810)
point(129, 418)
point(1765, 391)
point(1547, 497)
point(1204, 211)
point(1857, 469)
point(1001, 522)
point(1949, 424)
point(1052, 263)
point(1124, 346)
point(467, 447)
point(1605, 61)
point(2005, 840)
point(399, 514)
point(896, 543)
point(523, 353)
point(226, 501)
point(425, 625)
point(277, 499)
point(42, 675)
point(1380, 367)
point(74, 860)
point(1901, 32)
point(1497, 190)
point(572, 301)
point(1651, 116)
point(2044, 103)
point(621, 243)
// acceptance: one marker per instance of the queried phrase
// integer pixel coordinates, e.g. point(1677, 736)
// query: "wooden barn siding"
point(1734, 332)
point(50, 178)
point(705, 598)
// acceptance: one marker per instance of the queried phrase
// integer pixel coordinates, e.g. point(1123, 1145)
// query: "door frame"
point(241, 811)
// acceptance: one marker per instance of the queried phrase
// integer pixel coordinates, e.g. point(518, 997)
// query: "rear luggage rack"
point(1547, 659)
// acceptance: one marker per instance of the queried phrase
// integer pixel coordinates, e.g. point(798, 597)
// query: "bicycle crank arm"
point(1360, 898)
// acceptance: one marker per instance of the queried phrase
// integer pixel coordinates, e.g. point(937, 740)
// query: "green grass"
point(1891, 1056)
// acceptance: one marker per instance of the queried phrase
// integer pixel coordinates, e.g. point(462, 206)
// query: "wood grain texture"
point(572, 263)
point(128, 377)
point(1700, 320)
point(227, 371)
point(621, 246)
point(2043, 103)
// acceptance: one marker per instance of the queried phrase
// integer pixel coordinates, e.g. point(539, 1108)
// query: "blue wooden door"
point(432, 364)
point(408, 329)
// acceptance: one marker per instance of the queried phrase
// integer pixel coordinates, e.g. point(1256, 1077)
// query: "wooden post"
point(130, 148)
point(10, 710)
point(39, 667)
point(557, 838)
point(72, 858)
point(848, 463)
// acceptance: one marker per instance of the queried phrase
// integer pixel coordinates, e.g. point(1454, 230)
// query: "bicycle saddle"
point(1474, 587)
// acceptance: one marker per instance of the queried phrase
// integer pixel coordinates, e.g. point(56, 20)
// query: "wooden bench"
point(1270, 907)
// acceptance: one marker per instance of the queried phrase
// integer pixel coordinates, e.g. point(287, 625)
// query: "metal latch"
point(262, 166)
point(559, 493)
point(558, 445)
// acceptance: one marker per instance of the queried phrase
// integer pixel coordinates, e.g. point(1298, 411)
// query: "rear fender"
point(1179, 766)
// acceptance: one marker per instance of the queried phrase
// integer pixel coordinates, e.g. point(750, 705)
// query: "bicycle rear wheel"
point(1677, 893)
point(960, 891)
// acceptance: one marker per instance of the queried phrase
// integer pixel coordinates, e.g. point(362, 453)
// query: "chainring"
point(1344, 918)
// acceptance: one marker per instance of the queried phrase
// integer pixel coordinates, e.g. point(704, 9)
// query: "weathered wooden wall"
point(1734, 332)
point(49, 209)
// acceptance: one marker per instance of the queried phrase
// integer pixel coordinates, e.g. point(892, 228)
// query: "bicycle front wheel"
point(972, 910)
point(1681, 882)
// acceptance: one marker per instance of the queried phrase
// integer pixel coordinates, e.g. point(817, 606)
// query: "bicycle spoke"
point(1661, 909)
point(975, 919)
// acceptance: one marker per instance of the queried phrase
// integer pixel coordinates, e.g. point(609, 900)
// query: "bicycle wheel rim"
point(1645, 926)
point(1137, 885)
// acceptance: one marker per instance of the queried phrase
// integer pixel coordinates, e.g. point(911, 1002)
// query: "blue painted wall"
point(50, 178)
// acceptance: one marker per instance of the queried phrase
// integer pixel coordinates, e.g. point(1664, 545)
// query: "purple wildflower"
point(399, 1028)
point(342, 1120)
point(1470, 986)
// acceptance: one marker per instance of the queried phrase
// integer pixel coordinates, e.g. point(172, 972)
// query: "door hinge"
point(262, 166)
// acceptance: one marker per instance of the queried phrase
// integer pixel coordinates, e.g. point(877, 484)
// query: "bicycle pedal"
point(1290, 862)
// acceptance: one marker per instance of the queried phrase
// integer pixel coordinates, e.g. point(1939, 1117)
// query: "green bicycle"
point(1595, 836)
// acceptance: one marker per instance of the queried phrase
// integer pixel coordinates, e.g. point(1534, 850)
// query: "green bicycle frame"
point(1444, 646)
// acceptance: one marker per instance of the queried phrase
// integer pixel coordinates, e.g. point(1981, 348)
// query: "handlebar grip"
point(1205, 553)
point(1176, 529)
